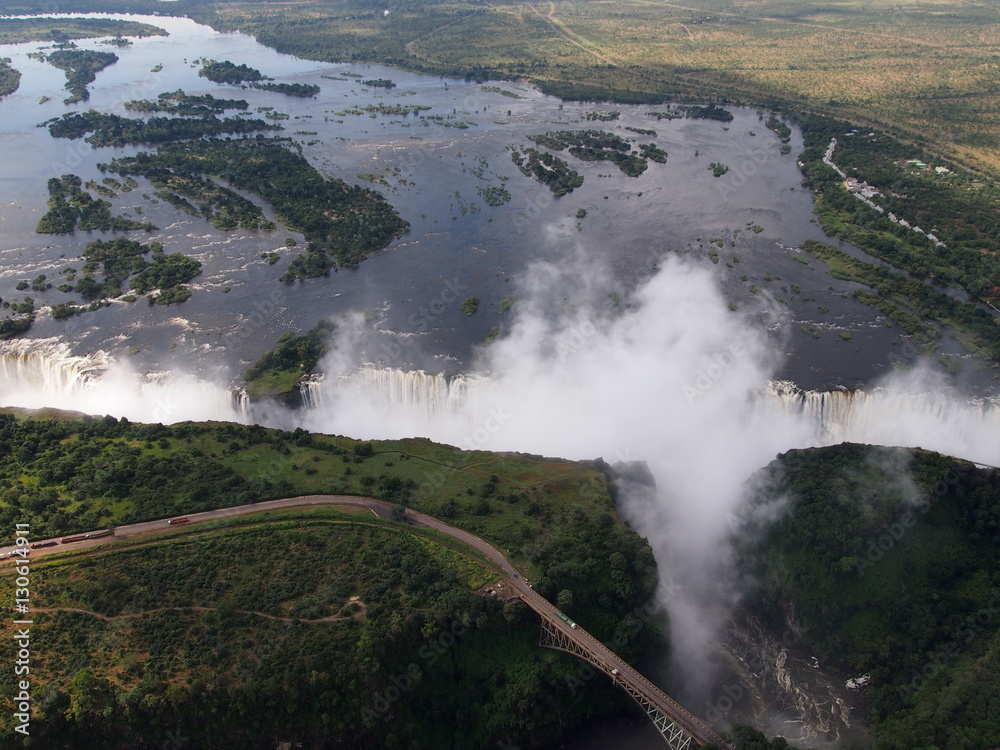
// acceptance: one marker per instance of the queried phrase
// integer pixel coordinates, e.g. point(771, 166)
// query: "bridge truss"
point(676, 737)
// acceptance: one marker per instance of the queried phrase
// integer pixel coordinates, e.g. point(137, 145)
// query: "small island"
point(121, 260)
point(10, 78)
point(342, 223)
point(115, 130)
point(277, 373)
point(548, 169)
point(81, 67)
point(185, 105)
point(71, 207)
point(596, 145)
point(228, 72)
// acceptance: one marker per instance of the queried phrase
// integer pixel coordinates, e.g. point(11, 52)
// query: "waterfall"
point(397, 403)
point(413, 390)
point(44, 373)
point(311, 391)
point(48, 365)
point(968, 427)
point(935, 420)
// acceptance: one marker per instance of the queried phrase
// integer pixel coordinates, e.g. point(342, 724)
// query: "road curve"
point(628, 676)
point(379, 507)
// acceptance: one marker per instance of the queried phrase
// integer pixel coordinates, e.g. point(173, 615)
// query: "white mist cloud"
point(666, 379)
point(670, 376)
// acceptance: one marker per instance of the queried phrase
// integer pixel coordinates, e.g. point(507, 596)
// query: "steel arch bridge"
point(680, 729)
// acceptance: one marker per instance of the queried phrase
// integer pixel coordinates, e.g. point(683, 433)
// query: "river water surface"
point(433, 172)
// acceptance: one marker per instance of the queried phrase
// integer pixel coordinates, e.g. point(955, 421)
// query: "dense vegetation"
point(227, 72)
point(782, 130)
point(21, 30)
point(120, 260)
point(81, 67)
point(743, 737)
point(548, 169)
point(653, 152)
point(115, 130)
point(342, 223)
point(72, 207)
point(15, 326)
point(291, 89)
point(956, 207)
point(225, 208)
point(412, 653)
point(383, 109)
point(279, 370)
point(186, 105)
point(10, 78)
point(909, 302)
point(165, 272)
point(556, 517)
point(595, 145)
point(885, 561)
point(695, 112)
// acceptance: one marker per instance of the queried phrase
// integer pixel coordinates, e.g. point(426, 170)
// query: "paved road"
point(627, 675)
point(378, 507)
point(545, 609)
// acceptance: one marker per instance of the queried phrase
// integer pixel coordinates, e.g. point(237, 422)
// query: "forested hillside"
point(303, 625)
point(886, 561)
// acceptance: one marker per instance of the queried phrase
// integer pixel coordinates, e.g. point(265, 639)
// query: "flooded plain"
point(435, 167)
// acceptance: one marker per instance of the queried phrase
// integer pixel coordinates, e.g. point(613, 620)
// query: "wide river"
point(435, 174)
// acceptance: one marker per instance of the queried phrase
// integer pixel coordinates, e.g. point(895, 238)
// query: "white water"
point(43, 374)
point(935, 420)
point(47, 367)
point(392, 403)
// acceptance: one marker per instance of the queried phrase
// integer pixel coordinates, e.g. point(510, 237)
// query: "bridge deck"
point(577, 641)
